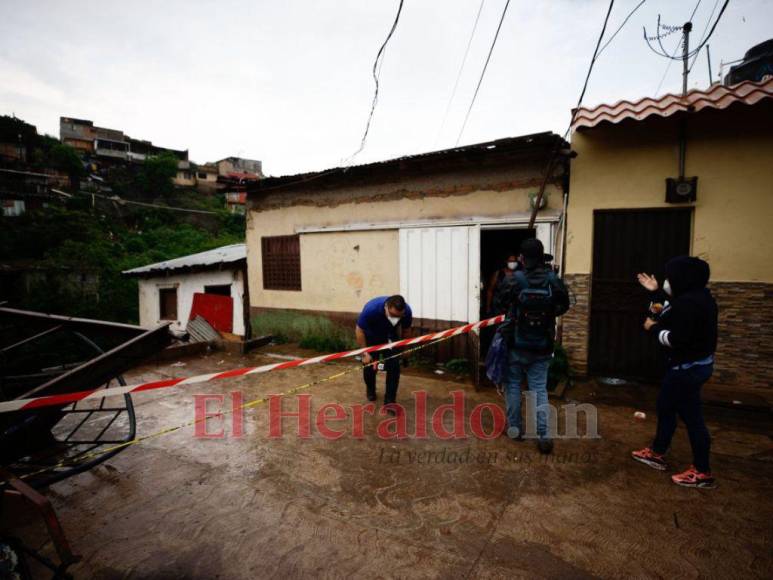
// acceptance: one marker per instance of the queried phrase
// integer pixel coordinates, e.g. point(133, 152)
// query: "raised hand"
point(648, 281)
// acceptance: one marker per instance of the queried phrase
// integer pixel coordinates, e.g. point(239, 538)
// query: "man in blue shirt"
point(383, 319)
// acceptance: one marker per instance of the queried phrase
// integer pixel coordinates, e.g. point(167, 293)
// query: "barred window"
point(281, 262)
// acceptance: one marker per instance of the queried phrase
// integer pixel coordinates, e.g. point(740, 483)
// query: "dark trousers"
point(680, 394)
point(392, 368)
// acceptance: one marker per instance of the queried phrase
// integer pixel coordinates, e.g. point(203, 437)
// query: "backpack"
point(534, 315)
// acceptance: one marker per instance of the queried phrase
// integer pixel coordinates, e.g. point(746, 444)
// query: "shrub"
point(458, 366)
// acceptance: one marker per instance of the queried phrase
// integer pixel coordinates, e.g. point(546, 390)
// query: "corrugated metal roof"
point(210, 258)
point(716, 97)
point(536, 144)
point(201, 331)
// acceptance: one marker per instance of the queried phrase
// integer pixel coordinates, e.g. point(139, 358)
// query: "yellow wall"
point(335, 276)
point(731, 152)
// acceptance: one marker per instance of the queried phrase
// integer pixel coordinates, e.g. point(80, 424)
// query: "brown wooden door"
point(626, 242)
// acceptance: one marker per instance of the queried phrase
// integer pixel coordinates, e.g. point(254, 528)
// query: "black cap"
point(533, 252)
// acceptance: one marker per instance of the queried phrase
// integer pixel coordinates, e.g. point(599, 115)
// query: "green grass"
point(314, 332)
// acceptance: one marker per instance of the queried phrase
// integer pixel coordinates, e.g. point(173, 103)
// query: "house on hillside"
point(656, 178)
point(431, 227)
point(239, 165)
point(210, 284)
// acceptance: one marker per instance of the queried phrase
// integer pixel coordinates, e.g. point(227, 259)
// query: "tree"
point(155, 177)
point(66, 159)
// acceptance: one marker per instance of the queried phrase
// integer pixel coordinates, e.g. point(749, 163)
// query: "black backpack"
point(534, 315)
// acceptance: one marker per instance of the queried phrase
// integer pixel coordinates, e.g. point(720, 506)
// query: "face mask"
point(667, 287)
point(393, 320)
point(512, 265)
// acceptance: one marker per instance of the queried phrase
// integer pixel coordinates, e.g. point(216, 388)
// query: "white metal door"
point(440, 272)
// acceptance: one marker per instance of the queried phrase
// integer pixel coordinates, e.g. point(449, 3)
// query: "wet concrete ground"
point(254, 507)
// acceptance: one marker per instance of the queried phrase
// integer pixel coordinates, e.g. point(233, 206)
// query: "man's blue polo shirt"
point(376, 325)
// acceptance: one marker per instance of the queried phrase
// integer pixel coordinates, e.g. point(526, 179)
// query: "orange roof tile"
point(716, 97)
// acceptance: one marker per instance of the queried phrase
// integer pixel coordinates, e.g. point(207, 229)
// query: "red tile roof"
point(716, 97)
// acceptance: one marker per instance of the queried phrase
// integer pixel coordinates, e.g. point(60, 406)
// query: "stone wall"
point(575, 323)
point(745, 349)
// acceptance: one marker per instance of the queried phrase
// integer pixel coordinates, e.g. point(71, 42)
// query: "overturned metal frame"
point(37, 447)
point(69, 445)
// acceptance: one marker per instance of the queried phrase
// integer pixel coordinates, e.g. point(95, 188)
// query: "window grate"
point(281, 262)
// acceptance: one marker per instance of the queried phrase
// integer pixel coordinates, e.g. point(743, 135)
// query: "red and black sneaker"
point(648, 457)
point(694, 478)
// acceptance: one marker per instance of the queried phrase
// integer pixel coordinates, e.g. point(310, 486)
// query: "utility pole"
point(708, 58)
point(685, 52)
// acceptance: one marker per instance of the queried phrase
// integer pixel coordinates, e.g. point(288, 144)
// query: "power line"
point(668, 66)
point(120, 200)
point(611, 38)
point(590, 67)
point(696, 50)
point(693, 53)
point(552, 158)
point(703, 40)
point(483, 72)
point(376, 75)
point(703, 34)
point(461, 68)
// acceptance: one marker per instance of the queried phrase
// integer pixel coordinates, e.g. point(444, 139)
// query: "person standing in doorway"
point(383, 319)
point(686, 327)
point(498, 278)
point(536, 296)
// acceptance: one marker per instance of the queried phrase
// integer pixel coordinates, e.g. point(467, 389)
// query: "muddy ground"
point(253, 507)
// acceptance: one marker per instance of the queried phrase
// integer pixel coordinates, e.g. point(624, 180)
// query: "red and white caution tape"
point(66, 398)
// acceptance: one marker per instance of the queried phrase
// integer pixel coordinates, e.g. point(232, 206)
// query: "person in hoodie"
point(534, 295)
point(686, 328)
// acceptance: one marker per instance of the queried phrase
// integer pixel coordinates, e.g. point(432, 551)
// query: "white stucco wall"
point(187, 285)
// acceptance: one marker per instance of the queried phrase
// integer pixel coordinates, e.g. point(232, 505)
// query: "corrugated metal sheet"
point(222, 255)
point(716, 97)
point(201, 331)
point(475, 154)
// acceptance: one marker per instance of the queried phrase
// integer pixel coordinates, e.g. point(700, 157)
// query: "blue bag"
point(496, 360)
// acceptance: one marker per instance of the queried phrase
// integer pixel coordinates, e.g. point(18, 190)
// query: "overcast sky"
point(289, 81)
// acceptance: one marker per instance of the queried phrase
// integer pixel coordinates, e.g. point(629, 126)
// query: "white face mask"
point(512, 265)
point(667, 287)
point(393, 320)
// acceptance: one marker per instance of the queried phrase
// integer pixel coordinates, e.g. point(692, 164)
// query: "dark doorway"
point(219, 289)
point(626, 242)
point(495, 246)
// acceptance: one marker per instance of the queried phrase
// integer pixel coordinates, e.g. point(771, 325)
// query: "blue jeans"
point(536, 371)
point(680, 395)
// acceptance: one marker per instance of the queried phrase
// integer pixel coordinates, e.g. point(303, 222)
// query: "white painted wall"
point(187, 285)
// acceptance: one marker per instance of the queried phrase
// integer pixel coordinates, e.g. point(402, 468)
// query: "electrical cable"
point(122, 201)
point(696, 50)
point(376, 75)
point(461, 68)
point(552, 158)
point(611, 38)
point(704, 40)
point(483, 72)
point(668, 67)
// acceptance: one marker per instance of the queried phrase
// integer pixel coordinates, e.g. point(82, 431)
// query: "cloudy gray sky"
point(288, 81)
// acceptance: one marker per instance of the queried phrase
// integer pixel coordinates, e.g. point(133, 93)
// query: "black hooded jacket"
point(688, 324)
